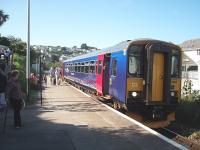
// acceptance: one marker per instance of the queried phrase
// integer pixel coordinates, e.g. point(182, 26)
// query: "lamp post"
point(40, 60)
point(28, 52)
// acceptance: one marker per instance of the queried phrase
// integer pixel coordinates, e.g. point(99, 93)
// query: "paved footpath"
point(70, 120)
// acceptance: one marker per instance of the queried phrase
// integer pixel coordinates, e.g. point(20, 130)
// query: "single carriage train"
point(142, 75)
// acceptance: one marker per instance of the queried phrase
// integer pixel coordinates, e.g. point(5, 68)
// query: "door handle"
point(110, 81)
point(161, 77)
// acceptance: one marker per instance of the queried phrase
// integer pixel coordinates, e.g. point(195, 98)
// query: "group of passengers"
point(4, 57)
point(55, 74)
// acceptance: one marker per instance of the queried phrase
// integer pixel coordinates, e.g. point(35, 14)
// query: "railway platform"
point(72, 120)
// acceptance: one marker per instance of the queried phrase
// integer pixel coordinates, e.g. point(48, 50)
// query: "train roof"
point(120, 46)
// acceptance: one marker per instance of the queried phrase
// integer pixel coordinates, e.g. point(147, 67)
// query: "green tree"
point(54, 58)
point(17, 45)
point(63, 48)
point(3, 17)
point(4, 41)
point(52, 64)
point(84, 46)
point(34, 54)
point(187, 87)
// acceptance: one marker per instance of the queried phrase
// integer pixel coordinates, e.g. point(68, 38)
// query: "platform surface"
point(70, 120)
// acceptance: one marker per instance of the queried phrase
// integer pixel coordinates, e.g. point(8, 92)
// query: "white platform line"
point(137, 123)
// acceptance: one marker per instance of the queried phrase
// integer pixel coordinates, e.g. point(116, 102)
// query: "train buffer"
point(72, 120)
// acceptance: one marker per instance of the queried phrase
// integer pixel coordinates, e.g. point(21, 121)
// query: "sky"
point(102, 23)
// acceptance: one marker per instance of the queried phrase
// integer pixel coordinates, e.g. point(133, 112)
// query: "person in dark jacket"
point(15, 96)
point(3, 83)
point(2, 65)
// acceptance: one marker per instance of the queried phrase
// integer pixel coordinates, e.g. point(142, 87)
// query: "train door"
point(158, 73)
point(158, 76)
point(118, 76)
point(99, 74)
point(106, 74)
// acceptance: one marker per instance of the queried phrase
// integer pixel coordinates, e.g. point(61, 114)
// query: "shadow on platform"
point(43, 133)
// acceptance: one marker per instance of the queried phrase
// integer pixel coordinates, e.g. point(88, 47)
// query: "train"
point(142, 76)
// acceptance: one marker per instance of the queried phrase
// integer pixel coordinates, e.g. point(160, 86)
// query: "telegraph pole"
point(28, 52)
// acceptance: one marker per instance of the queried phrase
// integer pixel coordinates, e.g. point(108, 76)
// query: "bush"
point(19, 63)
point(188, 111)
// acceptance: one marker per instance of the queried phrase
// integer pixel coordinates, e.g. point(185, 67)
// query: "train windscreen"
point(135, 60)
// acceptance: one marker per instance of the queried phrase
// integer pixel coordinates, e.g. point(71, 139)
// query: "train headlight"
point(173, 93)
point(134, 94)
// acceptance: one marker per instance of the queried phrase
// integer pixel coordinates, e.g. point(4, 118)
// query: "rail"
point(178, 138)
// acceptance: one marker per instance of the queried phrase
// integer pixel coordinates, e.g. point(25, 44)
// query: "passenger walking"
point(7, 56)
point(57, 74)
point(2, 63)
point(3, 84)
point(15, 96)
point(45, 79)
point(52, 75)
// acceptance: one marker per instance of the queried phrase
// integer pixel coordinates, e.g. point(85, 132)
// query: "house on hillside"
point(191, 66)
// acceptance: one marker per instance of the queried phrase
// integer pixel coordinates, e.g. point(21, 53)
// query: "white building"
point(191, 66)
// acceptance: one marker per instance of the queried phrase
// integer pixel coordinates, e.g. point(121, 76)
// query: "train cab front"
point(153, 79)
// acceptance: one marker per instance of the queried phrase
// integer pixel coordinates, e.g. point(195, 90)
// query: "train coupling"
point(158, 113)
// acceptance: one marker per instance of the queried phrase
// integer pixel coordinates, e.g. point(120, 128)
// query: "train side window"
point(114, 67)
point(79, 67)
point(175, 63)
point(92, 67)
point(82, 67)
point(73, 68)
point(96, 66)
point(86, 67)
point(99, 69)
point(68, 66)
point(76, 68)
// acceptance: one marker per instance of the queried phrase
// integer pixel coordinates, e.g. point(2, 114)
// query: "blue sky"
point(102, 23)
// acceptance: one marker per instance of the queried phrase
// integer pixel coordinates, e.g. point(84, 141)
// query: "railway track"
point(178, 138)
